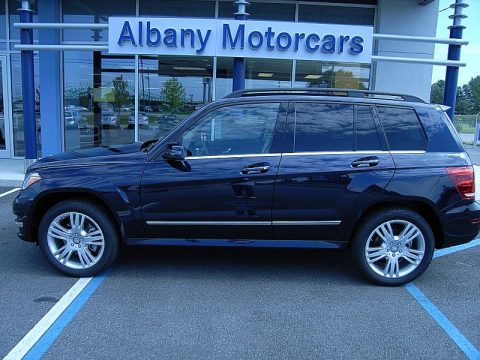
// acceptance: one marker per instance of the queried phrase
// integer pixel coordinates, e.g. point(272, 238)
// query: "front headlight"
point(30, 179)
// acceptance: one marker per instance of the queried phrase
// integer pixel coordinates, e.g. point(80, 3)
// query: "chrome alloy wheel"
point(395, 248)
point(75, 240)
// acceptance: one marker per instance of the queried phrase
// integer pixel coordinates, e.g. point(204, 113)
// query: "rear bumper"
point(461, 224)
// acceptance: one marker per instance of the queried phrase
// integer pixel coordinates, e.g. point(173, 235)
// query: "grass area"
point(465, 124)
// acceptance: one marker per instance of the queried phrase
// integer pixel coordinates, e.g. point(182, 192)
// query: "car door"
point(334, 168)
point(224, 187)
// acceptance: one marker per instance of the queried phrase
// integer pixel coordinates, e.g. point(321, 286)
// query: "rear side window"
point(365, 130)
point(323, 127)
point(442, 136)
point(402, 128)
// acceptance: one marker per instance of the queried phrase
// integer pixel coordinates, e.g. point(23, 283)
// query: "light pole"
point(451, 77)
point(28, 87)
point(239, 63)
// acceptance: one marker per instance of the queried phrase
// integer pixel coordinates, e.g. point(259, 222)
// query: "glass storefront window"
point(328, 14)
point(3, 34)
point(261, 73)
point(99, 98)
point(224, 80)
point(17, 105)
point(189, 8)
point(92, 11)
point(259, 11)
point(170, 89)
point(332, 75)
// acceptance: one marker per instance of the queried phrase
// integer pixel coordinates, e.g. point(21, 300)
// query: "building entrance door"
point(5, 132)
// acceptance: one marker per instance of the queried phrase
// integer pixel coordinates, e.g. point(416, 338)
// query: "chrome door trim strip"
point(231, 156)
point(207, 223)
point(247, 223)
point(296, 223)
point(335, 153)
point(408, 151)
point(307, 153)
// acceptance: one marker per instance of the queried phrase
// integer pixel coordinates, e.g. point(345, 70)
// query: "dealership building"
point(129, 70)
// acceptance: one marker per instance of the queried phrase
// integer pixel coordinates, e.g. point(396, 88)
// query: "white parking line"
point(9, 192)
point(32, 337)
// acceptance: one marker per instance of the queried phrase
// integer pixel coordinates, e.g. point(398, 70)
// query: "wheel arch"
point(50, 199)
point(421, 207)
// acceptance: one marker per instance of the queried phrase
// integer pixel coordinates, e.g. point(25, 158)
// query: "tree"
point(122, 96)
point(436, 94)
point(468, 96)
point(463, 104)
point(173, 94)
point(474, 88)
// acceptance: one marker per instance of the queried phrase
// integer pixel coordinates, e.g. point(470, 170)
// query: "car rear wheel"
point(393, 247)
point(78, 238)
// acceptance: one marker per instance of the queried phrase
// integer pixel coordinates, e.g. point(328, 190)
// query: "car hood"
point(93, 155)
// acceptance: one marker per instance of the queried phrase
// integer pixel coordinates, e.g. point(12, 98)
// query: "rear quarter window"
point(402, 128)
point(442, 136)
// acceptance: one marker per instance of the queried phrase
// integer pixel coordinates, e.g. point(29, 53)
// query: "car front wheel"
point(78, 238)
point(393, 247)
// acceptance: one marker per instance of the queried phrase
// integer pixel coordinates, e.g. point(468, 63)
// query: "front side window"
point(402, 128)
point(323, 127)
point(233, 130)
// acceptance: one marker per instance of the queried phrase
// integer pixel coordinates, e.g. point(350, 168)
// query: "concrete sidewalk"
point(11, 172)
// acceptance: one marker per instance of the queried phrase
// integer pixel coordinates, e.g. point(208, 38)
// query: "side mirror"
point(174, 152)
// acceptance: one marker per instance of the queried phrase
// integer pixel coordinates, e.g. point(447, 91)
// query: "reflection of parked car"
point(142, 119)
point(109, 119)
point(146, 108)
point(2, 127)
point(74, 120)
point(169, 117)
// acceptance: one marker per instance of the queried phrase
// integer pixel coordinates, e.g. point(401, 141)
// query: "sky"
point(470, 53)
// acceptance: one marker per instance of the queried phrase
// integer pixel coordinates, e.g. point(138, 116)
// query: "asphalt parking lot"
point(238, 303)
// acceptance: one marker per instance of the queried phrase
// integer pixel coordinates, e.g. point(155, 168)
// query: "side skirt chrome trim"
point(298, 244)
point(247, 223)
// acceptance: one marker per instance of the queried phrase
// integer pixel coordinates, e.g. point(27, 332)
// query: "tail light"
point(464, 180)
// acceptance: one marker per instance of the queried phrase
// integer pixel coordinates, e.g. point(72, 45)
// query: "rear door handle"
point(369, 161)
point(258, 168)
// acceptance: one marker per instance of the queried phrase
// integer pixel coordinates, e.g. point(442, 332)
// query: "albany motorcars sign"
point(236, 38)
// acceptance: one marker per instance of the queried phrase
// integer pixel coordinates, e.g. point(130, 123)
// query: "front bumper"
point(21, 207)
point(461, 224)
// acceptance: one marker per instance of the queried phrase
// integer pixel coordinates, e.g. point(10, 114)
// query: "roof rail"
point(353, 93)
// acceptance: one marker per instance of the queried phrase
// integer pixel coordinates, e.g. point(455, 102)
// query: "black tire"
point(367, 227)
point(104, 222)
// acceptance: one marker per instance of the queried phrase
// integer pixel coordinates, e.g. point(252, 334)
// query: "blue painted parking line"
point(454, 249)
point(455, 334)
point(44, 343)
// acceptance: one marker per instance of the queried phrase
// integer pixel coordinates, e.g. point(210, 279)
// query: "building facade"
point(87, 98)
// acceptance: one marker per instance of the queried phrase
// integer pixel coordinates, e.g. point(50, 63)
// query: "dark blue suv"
point(383, 175)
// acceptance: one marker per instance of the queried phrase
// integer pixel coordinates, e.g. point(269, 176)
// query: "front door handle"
point(258, 168)
point(369, 161)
